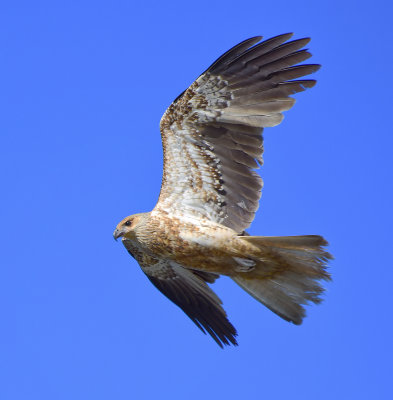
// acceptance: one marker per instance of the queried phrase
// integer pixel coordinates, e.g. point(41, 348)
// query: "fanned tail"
point(287, 273)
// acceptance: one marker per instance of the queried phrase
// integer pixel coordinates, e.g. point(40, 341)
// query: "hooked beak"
point(117, 233)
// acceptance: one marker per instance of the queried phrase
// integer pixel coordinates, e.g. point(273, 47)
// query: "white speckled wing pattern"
point(212, 133)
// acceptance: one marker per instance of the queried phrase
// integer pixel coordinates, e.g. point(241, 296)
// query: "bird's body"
point(212, 142)
point(194, 243)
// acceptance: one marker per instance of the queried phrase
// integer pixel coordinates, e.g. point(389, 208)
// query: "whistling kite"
point(212, 142)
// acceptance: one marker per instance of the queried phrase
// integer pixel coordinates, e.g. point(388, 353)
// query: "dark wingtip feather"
point(207, 316)
point(233, 53)
point(226, 336)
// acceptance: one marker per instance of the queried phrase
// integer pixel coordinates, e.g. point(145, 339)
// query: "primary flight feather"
point(212, 142)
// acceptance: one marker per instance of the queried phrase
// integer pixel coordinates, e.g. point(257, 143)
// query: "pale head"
point(127, 226)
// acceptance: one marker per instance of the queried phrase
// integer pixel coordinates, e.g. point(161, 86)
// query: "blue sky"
point(84, 85)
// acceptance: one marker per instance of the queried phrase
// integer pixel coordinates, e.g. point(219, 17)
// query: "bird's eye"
point(127, 223)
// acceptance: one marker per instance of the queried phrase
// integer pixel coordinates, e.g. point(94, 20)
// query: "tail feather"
point(287, 273)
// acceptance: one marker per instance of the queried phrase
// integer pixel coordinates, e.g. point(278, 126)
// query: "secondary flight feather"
point(212, 143)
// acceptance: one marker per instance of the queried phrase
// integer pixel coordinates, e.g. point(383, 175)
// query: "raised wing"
point(212, 133)
point(188, 290)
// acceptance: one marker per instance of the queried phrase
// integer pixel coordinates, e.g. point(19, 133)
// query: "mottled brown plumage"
point(212, 142)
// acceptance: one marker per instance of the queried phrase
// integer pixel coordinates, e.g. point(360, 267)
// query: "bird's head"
point(126, 227)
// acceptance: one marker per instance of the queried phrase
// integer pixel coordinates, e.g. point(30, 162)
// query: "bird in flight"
point(212, 143)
